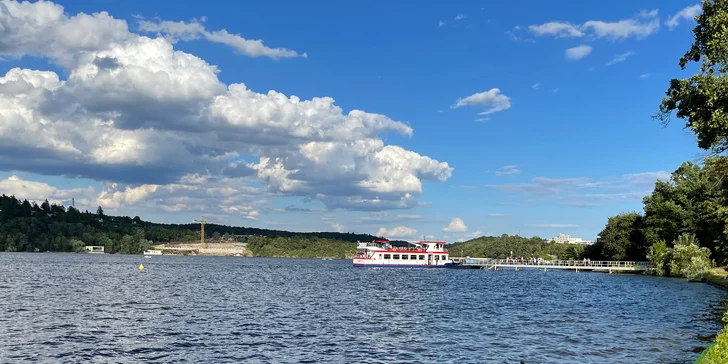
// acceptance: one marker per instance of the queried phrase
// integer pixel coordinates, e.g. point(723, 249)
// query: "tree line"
point(504, 246)
point(26, 226)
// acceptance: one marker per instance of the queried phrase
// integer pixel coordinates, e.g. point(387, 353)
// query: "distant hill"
point(500, 247)
point(28, 227)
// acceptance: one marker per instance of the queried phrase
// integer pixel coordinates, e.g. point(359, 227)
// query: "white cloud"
point(556, 29)
point(578, 52)
point(457, 225)
point(620, 58)
point(440, 24)
point(553, 226)
point(688, 13)
point(497, 214)
point(460, 17)
point(507, 170)
point(582, 191)
point(176, 31)
point(396, 232)
point(644, 75)
point(40, 191)
point(491, 98)
point(482, 120)
point(536, 86)
point(136, 112)
point(338, 228)
point(640, 26)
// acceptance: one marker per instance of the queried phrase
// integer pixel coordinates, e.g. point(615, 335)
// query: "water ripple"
point(99, 308)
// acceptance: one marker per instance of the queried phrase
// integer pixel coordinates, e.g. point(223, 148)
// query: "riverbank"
point(717, 351)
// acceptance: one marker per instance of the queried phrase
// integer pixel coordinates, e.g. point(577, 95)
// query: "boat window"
point(404, 256)
point(437, 257)
point(380, 256)
point(413, 257)
point(386, 256)
point(395, 256)
point(422, 257)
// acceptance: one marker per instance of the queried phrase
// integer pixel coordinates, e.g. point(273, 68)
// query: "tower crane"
point(202, 222)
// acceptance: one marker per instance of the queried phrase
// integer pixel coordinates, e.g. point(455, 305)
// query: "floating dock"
point(577, 265)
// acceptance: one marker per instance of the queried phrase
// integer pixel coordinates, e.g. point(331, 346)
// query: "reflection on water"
point(100, 308)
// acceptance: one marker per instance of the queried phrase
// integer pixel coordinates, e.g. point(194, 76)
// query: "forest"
point(28, 227)
point(501, 247)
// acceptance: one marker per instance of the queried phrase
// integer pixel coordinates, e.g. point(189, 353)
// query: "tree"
point(621, 239)
point(100, 211)
point(687, 258)
point(703, 98)
point(215, 236)
point(658, 255)
point(77, 245)
point(693, 201)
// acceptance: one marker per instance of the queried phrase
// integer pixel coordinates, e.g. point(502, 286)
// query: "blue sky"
point(532, 119)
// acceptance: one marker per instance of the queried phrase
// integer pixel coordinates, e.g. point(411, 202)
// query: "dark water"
point(60, 308)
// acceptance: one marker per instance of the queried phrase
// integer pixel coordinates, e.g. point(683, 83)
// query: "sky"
point(443, 121)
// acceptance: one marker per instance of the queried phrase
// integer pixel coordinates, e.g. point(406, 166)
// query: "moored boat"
point(153, 252)
point(384, 254)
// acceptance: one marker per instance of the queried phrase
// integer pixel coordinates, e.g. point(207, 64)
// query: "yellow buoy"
point(141, 267)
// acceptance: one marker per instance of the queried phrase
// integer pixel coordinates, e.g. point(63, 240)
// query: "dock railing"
point(563, 264)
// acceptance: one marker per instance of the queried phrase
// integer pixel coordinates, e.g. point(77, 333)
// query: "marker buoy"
point(141, 267)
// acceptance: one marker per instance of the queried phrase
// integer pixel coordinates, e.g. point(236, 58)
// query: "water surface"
point(73, 308)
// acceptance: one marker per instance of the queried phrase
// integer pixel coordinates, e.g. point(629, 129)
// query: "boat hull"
point(446, 265)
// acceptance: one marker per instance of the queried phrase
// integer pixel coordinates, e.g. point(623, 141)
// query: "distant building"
point(94, 248)
point(567, 239)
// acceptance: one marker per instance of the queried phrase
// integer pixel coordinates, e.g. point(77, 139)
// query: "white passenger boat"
point(153, 252)
point(382, 254)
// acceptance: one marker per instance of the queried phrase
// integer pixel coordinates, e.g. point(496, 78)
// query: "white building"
point(567, 239)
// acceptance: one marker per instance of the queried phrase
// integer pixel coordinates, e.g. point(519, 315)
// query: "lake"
point(99, 308)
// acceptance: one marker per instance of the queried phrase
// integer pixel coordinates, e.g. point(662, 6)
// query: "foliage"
point(300, 247)
point(718, 352)
point(27, 227)
point(621, 239)
point(657, 256)
point(687, 258)
point(702, 99)
point(501, 247)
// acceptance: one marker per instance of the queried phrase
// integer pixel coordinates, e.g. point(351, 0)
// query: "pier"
point(577, 265)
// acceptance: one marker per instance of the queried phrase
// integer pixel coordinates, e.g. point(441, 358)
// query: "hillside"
point(503, 246)
point(28, 227)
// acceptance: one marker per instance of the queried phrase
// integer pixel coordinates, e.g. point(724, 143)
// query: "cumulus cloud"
point(620, 58)
point(41, 191)
point(640, 26)
point(493, 99)
point(180, 30)
point(536, 86)
point(136, 112)
point(457, 225)
point(396, 232)
point(578, 52)
point(688, 13)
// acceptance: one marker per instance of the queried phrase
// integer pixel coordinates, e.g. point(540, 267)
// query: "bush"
point(687, 258)
point(718, 352)
point(658, 253)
